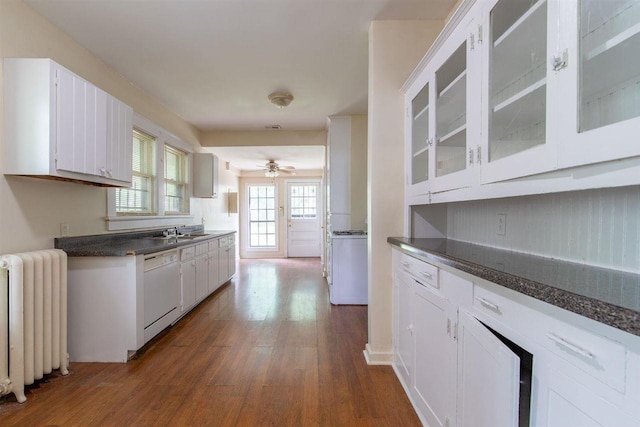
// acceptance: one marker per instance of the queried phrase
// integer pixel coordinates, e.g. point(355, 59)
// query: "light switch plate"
point(502, 225)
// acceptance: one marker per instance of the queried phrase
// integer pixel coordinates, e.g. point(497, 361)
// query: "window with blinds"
point(138, 200)
point(176, 182)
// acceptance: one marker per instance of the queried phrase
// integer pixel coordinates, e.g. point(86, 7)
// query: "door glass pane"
point(609, 62)
point(518, 77)
point(420, 136)
point(451, 113)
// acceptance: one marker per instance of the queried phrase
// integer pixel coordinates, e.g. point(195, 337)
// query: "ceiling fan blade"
point(286, 172)
point(287, 167)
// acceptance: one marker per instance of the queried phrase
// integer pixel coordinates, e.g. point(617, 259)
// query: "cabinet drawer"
point(231, 239)
point(223, 242)
point(213, 245)
point(420, 270)
point(598, 356)
point(187, 253)
point(202, 249)
point(601, 358)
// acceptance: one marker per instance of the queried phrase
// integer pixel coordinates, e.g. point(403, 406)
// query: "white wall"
point(395, 48)
point(31, 210)
point(598, 227)
point(358, 172)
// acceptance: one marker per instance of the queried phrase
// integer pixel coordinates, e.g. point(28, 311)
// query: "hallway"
point(266, 349)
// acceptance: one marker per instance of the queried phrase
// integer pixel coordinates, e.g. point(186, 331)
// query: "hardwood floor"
point(267, 349)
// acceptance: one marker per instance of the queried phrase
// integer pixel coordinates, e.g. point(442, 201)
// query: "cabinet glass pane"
point(609, 62)
point(419, 136)
point(518, 77)
point(451, 118)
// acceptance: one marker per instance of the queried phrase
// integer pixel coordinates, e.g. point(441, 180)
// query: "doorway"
point(304, 212)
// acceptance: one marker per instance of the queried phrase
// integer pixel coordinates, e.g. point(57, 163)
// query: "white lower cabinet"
point(188, 284)
point(434, 370)
point(465, 353)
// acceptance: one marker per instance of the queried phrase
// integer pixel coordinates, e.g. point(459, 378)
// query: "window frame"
point(182, 181)
point(277, 218)
point(124, 221)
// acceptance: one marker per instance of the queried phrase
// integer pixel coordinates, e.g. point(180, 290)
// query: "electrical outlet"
point(502, 225)
point(64, 229)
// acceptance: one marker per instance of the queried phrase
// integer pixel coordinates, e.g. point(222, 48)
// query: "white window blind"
point(176, 182)
point(138, 200)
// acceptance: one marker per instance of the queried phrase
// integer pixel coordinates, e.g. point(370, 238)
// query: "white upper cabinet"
point(440, 118)
point(600, 85)
point(523, 88)
point(516, 141)
point(205, 175)
point(78, 131)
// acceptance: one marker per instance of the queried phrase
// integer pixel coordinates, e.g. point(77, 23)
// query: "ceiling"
point(307, 157)
point(214, 62)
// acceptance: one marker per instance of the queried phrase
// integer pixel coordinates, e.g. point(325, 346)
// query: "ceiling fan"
point(272, 169)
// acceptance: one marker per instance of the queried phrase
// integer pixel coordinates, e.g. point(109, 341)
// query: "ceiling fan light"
point(271, 173)
point(280, 99)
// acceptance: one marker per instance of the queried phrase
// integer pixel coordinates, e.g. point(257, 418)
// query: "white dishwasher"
point(161, 292)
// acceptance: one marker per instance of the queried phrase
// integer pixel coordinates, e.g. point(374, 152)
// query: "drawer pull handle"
point(571, 346)
point(488, 304)
point(427, 275)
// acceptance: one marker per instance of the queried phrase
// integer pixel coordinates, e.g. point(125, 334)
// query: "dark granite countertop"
point(133, 243)
point(609, 296)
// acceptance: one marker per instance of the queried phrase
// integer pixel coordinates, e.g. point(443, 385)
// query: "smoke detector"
point(280, 99)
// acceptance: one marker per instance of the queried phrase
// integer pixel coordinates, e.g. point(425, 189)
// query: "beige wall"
point(31, 210)
point(395, 48)
point(263, 138)
point(358, 172)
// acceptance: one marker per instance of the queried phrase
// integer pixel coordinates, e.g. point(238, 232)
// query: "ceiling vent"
point(273, 127)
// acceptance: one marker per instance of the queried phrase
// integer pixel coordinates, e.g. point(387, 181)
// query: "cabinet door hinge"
point(560, 61)
point(429, 196)
point(472, 41)
point(479, 155)
point(455, 331)
point(470, 156)
point(480, 34)
point(449, 327)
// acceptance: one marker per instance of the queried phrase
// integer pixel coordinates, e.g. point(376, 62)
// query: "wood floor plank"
point(266, 349)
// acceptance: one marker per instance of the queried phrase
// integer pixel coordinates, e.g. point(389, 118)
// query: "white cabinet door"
point(563, 401)
point(188, 281)
point(488, 377)
point(202, 273)
point(213, 281)
point(454, 95)
point(232, 260)
point(435, 356)
point(80, 123)
point(93, 130)
point(119, 140)
point(205, 175)
point(600, 86)
point(518, 129)
point(419, 135)
point(405, 344)
point(223, 264)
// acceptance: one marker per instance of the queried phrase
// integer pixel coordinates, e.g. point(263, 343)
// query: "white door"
point(303, 219)
point(488, 377)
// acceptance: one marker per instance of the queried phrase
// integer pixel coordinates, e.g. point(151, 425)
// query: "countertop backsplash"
point(595, 227)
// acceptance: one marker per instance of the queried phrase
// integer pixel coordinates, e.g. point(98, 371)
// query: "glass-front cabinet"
point(516, 89)
point(420, 140)
point(600, 87)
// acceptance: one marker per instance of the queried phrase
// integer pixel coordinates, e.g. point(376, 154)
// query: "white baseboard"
point(377, 358)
